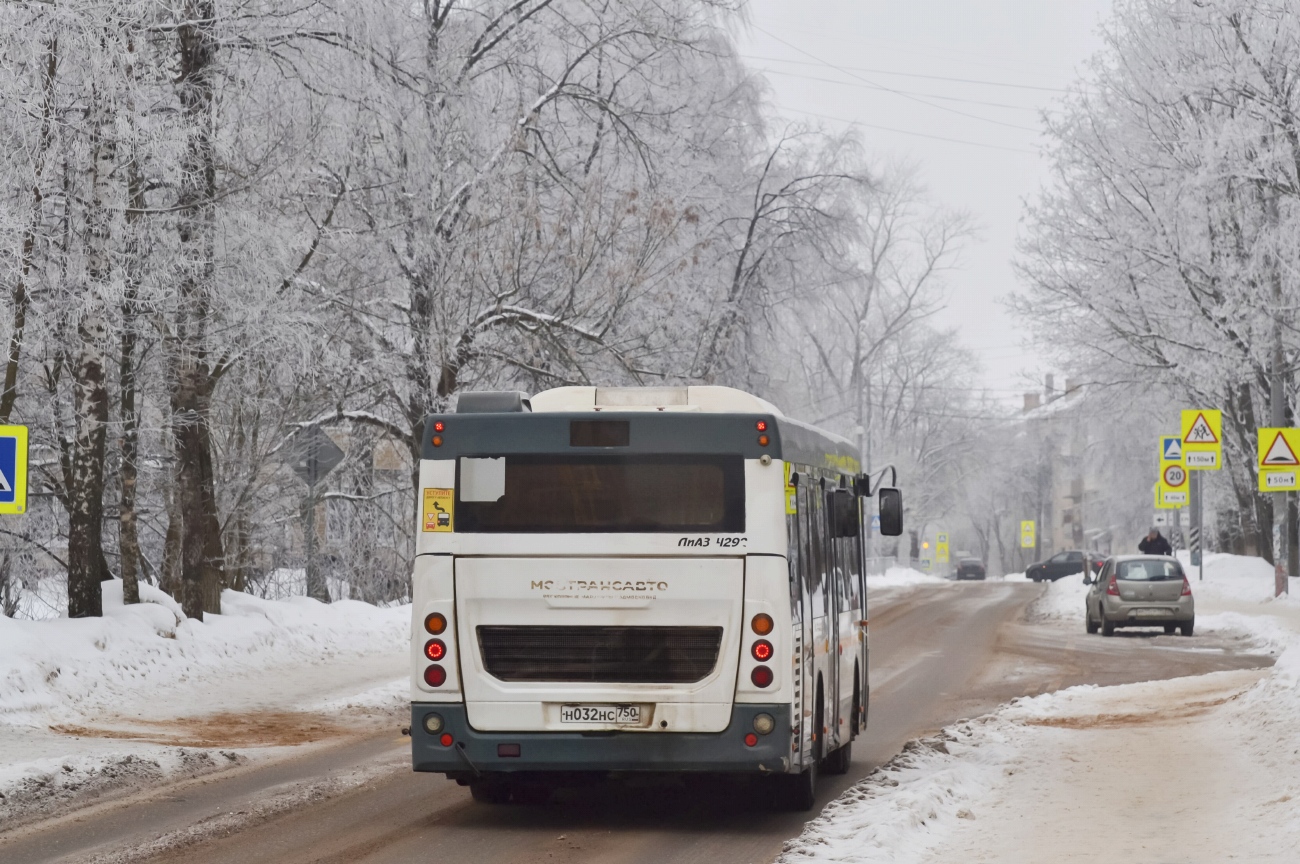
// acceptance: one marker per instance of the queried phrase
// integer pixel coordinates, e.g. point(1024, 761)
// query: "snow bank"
point(1061, 600)
point(902, 577)
point(906, 806)
point(94, 705)
point(72, 670)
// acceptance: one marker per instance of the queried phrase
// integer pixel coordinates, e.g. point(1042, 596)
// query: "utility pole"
point(1277, 389)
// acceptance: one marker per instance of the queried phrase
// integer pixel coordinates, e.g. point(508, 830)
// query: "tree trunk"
point(170, 578)
point(193, 378)
point(128, 535)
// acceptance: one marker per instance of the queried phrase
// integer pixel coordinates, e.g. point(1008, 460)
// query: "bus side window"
point(795, 559)
point(823, 560)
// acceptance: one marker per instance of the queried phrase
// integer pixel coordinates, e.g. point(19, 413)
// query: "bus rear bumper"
point(474, 752)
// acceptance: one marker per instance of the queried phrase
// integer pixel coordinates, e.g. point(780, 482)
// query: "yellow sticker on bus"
point(438, 507)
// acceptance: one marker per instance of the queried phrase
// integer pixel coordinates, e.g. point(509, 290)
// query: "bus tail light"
point(761, 624)
point(435, 623)
point(762, 650)
point(435, 676)
point(764, 723)
point(761, 676)
point(751, 740)
point(435, 649)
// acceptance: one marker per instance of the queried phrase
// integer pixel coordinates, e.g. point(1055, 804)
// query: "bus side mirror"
point(890, 506)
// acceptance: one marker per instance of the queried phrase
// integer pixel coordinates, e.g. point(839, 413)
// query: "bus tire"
point(856, 726)
point(798, 792)
point(490, 790)
point(839, 760)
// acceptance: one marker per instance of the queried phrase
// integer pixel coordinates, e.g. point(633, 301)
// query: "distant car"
point(970, 568)
point(1063, 564)
point(1140, 591)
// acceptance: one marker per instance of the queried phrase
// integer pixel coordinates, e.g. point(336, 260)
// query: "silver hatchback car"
point(1140, 591)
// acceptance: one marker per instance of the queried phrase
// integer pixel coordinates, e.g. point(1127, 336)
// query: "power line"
point(909, 132)
point(905, 95)
point(913, 74)
point(877, 87)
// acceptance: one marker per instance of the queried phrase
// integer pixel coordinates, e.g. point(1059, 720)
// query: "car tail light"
point(1112, 587)
point(1187, 588)
point(761, 676)
point(762, 650)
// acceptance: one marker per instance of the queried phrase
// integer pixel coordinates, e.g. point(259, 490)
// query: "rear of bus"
point(601, 585)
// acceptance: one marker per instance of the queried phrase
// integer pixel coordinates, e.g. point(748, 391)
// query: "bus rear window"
point(589, 494)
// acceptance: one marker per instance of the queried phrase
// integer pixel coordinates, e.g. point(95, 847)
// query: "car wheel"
point(1107, 628)
point(1092, 625)
point(1187, 628)
point(1169, 629)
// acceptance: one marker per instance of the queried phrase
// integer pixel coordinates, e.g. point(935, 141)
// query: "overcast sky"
point(838, 61)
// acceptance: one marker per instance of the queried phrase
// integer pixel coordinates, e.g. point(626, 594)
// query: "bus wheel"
point(490, 790)
point(797, 792)
point(856, 725)
point(838, 761)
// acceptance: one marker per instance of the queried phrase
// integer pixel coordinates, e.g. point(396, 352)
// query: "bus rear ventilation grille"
point(622, 655)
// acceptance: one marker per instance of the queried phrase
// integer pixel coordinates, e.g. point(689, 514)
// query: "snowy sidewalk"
point(1200, 769)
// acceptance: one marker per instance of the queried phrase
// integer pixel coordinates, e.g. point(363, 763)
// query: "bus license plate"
point(600, 714)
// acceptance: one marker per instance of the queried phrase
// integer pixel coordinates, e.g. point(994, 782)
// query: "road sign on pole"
point(312, 455)
point(1171, 449)
point(1174, 477)
point(1202, 442)
point(1279, 467)
point(1027, 532)
point(13, 469)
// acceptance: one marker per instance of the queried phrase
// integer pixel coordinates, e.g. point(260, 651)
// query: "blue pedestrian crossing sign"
point(1171, 448)
point(13, 469)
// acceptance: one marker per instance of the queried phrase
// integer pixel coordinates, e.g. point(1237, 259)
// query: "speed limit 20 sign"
point(1174, 476)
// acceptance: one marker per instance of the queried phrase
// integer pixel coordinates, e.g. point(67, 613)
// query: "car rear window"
point(1149, 571)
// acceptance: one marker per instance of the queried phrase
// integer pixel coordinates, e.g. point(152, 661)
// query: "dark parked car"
point(1063, 564)
point(970, 568)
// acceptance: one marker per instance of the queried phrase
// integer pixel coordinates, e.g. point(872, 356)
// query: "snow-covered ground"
point(901, 577)
point(1200, 769)
point(82, 704)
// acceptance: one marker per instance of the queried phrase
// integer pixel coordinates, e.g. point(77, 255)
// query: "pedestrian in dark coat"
point(1155, 544)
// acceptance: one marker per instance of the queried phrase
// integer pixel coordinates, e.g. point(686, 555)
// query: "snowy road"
point(940, 653)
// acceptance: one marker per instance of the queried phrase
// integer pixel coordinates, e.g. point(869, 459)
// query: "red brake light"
point(751, 740)
point(439, 426)
point(1112, 587)
point(762, 650)
point(1187, 588)
point(761, 676)
point(435, 676)
point(435, 649)
point(761, 425)
point(446, 739)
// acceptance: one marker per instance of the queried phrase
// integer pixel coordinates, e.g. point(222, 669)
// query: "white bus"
point(637, 579)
